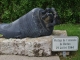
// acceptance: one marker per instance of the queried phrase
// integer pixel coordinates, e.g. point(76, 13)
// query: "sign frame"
point(67, 40)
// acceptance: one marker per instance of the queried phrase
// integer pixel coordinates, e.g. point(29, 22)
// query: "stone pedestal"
point(40, 46)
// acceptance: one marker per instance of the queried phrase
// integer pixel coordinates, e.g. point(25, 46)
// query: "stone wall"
point(40, 46)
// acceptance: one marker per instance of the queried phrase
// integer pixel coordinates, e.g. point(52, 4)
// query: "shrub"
point(68, 10)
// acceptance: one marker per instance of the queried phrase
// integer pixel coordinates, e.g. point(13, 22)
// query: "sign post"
point(64, 53)
point(65, 44)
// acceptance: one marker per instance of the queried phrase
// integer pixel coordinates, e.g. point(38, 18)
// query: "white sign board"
point(65, 43)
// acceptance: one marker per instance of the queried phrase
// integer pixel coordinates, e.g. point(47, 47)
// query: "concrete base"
point(16, 57)
point(40, 46)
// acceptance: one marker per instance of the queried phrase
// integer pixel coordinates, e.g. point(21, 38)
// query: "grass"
point(72, 30)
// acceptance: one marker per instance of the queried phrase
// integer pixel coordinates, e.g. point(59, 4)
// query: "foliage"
point(68, 10)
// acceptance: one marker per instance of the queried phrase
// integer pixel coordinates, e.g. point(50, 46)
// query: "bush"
point(68, 10)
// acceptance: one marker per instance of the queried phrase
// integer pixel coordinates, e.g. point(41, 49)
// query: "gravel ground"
point(17, 57)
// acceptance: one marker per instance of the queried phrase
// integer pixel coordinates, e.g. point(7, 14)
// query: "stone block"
point(40, 46)
point(59, 32)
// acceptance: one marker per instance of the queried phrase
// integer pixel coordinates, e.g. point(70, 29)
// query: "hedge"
point(68, 10)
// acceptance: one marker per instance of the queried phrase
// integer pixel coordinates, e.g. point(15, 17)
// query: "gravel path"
point(17, 57)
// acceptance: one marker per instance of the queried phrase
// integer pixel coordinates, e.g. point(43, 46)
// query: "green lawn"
point(72, 30)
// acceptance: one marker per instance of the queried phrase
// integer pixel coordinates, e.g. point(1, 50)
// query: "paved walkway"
point(17, 57)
